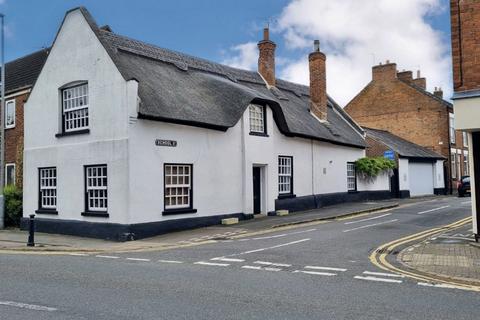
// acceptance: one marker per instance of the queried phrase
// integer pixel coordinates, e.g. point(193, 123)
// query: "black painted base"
point(402, 194)
point(125, 232)
point(323, 200)
point(440, 191)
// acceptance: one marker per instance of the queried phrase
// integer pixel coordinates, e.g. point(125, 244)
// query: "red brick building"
point(465, 19)
point(397, 102)
point(20, 75)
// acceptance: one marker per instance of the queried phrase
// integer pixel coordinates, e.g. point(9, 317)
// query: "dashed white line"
point(467, 202)
point(27, 306)
point(138, 259)
point(107, 257)
point(325, 268)
point(252, 267)
point(328, 274)
point(78, 254)
point(204, 263)
point(369, 278)
point(266, 263)
point(382, 274)
point(170, 261)
point(431, 210)
point(227, 259)
point(370, 225)
point(440, 285)
point(273, 247)
point(367, 219)
point(272, 269)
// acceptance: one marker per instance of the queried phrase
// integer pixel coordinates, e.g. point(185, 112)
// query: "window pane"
point(177, 186)
point(97, 182)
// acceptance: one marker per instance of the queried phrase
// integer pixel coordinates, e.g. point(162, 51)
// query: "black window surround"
point(41, 209)
point(290, 194)
point(264, 133)
point(62, 132)
point(355, 173)
point(87, 212)
point(186, 210)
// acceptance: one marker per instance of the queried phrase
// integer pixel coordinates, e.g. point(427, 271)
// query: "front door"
point(256, 190)
point(395, 184)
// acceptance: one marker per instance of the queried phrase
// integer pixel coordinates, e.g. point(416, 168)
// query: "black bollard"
point(31, 231)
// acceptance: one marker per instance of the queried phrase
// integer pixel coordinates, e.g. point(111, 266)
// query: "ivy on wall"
point(369, 168)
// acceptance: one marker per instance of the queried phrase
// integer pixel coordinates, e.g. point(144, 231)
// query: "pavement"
point(15, 239)
point(318, 270)
point(452, 255)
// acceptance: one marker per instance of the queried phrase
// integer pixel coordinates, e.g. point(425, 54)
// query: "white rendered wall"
point(379, 183)
point(78, 55)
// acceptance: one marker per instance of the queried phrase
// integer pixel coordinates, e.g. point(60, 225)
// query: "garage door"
point(421, 178)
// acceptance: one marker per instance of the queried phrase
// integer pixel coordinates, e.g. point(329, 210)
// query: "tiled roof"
point(23, 72)
point(404, 148)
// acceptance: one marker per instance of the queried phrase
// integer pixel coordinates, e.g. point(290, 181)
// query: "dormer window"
point(75, 108)
point(257, 120)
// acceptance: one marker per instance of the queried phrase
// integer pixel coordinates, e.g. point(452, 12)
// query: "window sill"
point(72, 133)
point(98, 214)
point(46, 211)
point(178, 211)
point(286, 196)
point(11, 127)
point(259, 134)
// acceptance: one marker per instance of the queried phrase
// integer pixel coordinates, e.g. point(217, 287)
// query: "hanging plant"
point(369, 168)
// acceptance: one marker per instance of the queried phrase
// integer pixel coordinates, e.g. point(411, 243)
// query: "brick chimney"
point(438, 92)
point(382, 72)
point(420, 82)
point(318, 82)
point(406, 76)
point(266, 58)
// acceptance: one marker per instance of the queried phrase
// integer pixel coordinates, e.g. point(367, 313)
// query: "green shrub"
point(369, 167)
point(13, 205)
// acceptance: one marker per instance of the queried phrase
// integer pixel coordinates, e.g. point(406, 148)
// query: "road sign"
point(389, 154)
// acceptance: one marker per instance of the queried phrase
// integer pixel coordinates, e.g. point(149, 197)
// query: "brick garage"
point(397, 102)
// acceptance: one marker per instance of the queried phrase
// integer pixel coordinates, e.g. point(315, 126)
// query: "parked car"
point(464, 186)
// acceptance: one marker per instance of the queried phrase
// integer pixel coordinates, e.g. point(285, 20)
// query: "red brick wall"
point(14, 140)
point(318, 84)
point(465, 17)
point(388, 103)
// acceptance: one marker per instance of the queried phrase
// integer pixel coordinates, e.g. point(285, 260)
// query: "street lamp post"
point(2, 125)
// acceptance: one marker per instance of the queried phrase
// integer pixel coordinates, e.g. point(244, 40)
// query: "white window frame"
point(47, 188)
point(453, 163)
point(177, 186)
point(451, 123)
point(257, 115)
point(96, 188)
point(7, 165)
point(285, 175)
point(465, 139)
point(466, 168)
point(10, 105)
point(75, 108)
point(351, 177)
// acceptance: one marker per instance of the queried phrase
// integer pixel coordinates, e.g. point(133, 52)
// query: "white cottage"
point(126, 140)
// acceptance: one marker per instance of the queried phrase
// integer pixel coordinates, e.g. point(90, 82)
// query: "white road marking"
point(283, 234)
point(227, 259)
point(273, 247)
point(78, 254)
point(27, 306)
point(325, 268)
point(368, 278)
point(252, 267)
point(440, 285)
point(328, 274)
point(107, 257)
point(204, 263)
point(266, 263)
point(170, 261)
point(370, 225)
point(367, 219)
point(431, 210)
point(272, 269)
point(243, 239)
point(138, 259)
point(382, 274)
point(456, 238)
point(467, 202)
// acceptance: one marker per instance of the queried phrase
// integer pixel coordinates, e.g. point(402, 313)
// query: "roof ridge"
point(425, 92)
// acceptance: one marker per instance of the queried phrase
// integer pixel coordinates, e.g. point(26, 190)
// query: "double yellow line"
point(379, 256)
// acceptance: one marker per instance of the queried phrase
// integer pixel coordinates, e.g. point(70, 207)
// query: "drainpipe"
point(244, 167)
point(2, 132)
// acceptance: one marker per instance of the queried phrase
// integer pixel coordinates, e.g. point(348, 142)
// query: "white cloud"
point(356, 35)
point(243, 56)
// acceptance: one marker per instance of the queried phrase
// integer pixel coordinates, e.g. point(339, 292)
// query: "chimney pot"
point(438, 92)
point(266, 34)
point(384, 72)
point(418, 74)
point(318, 82)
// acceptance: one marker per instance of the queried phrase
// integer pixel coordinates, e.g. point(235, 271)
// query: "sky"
point(354, 34)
